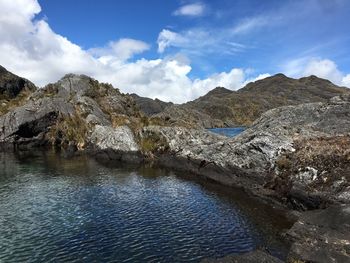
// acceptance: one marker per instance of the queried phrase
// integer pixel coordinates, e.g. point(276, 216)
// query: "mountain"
point(149, 106)
point(222, 107)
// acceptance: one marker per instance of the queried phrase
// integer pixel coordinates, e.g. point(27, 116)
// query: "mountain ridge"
point(221, 107)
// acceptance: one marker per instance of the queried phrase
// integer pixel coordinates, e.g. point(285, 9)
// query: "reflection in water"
point(57, 209)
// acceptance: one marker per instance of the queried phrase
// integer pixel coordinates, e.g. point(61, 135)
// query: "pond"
point(229, 132)
point(56, 209)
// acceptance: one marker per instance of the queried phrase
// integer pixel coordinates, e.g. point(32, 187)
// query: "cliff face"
point(222, 107)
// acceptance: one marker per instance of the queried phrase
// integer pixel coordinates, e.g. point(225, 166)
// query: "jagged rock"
point(32, 119)
point(257, 256)
point(321, 236)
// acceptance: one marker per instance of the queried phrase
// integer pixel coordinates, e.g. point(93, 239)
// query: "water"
point(229, 132)
point(54, 209)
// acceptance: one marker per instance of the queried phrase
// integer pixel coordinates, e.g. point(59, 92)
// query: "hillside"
point(222, 107)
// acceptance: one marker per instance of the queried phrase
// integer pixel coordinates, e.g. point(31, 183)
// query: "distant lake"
point(54, 209)
point(229, 132)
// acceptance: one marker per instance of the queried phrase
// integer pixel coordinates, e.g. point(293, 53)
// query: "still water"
point(229, 132)
point(56, 209)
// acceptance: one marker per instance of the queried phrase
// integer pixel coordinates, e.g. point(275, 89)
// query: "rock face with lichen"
point(68, 114)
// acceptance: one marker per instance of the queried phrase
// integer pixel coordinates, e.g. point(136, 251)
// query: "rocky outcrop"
point(222, 107)
point(11, 85)
point(321, 236)
point(70, 113)
point(257, 256)
point(118, 143)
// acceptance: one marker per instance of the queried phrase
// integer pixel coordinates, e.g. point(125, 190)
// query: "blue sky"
point(176, 49)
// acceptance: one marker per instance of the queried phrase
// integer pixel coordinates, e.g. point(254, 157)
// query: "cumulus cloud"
point(30, 48)
point(196, 9)
point(346, 80)
point(122, 49)
point(323, 68)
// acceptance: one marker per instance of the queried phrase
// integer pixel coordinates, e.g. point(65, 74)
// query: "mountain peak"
point(219, 91)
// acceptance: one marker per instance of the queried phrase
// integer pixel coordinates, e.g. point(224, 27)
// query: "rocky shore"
point(296, 157)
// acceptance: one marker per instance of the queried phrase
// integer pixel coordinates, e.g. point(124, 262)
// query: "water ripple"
point(54, 211)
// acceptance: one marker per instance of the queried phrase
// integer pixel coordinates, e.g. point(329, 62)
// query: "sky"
point(175, 50)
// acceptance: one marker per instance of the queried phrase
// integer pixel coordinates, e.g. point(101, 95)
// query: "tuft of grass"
point(152, 142)
point(283, 163)
point(69, 130)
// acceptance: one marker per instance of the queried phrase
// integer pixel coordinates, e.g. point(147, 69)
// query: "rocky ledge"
point(294, 156)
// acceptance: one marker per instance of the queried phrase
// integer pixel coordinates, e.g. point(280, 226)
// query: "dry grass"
point(330, 156)
point(152, 143)
point(7, 105)
point(69, 130)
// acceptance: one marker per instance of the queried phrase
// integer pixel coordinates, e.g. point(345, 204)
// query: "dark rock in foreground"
point(251, 257)
point(321, 236)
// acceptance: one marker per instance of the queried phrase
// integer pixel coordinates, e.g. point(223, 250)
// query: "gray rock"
point(11, 85)
point(32, 118)
point(117, 139)
point(257, 256)
point(321, 236)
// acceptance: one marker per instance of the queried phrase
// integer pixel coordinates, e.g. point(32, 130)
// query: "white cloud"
point(231, 80)
point(122, 49)
point(196, 9)
point(30, 48)
point(322, 68)
point(346, 81)
point(168, 38)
